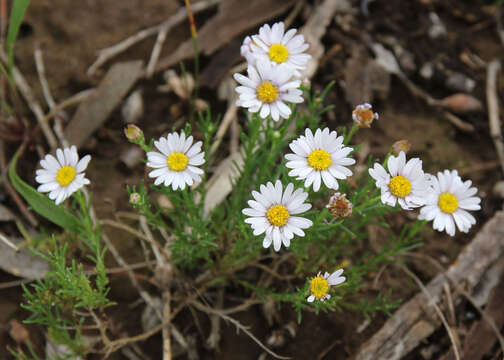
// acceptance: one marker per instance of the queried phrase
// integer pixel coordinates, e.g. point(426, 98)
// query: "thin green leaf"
point(17, 14)
point(41, 203)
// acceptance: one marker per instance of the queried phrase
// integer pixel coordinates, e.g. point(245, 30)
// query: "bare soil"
point(71, 32)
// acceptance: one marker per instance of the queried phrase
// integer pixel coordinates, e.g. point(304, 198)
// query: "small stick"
point(229, 115)
point(106, 54)
point(33, 104)
point(215, 336)
point(156, 51)
point(493, 69)
point(8, 242)
point(58, 126)
point(500, 27)
point(436, 308)
point(461, 125)
point(74, 99)
point(460, 290)
point(167, 354)
point(238, 325)
point(39, 64)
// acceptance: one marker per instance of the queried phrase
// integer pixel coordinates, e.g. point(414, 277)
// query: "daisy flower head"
point(246, 51)
point(279, 47)
point(272, 212)
point(404, 183)
point(319, 285)
point(62, 175)
point(448, 201)
point(319, 157)
point(364, 116)
point(177, 161)
point(267, 88)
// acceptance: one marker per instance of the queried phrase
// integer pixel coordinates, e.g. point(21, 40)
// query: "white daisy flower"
point(280, 47)
point(272, 213)
point(177, 163)
point(246, 51)
point(267, 89)
point(404, 183)
point(319, 285)
point(447, 202)
point(62, 175)
point(320, 156)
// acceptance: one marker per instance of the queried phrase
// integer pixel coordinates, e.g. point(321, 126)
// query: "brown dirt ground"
point(70, 33)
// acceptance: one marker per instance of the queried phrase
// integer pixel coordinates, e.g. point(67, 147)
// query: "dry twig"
point(34, 105)
point(493, 109)
point(412, 323)
point(238, 325)
point(469, 297)
point(106, 54)
point(431, 301)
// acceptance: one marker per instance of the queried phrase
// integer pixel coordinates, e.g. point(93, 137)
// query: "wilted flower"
point(319, 285)
point(63, 175)
point(364, 116)
point(339, 206)
point(401, 145)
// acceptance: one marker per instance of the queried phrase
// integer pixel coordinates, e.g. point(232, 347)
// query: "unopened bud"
point(339, 206)
point(133, 133)
point(364, 116)
point(135, 198)
point(401, 145)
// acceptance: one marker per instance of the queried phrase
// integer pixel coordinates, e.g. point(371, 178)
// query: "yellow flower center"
point(319, 287)
point(277, 215)
point(319, 160)
point(448, 203)
point(65, 175)
point(177, 161)
point(278, 53)
point(267, 92)
point(400, 186)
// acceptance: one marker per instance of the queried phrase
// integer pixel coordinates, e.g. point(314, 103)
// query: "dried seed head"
point(401, 145)
point(339, 206)
point(363, 115)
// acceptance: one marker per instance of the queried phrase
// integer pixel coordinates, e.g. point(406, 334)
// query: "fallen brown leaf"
point(462, 103)
point(93, 112)
point(233, 18)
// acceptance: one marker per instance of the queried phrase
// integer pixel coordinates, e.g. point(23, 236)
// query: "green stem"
point(354, 129)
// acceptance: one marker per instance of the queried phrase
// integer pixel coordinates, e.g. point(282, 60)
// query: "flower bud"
point(339, 206)
point(401, 145)
point(133, 133)
point(364, 116)
point(135, 198)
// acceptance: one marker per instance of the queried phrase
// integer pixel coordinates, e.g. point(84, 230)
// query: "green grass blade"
point(17, 14)
point(41, 203)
